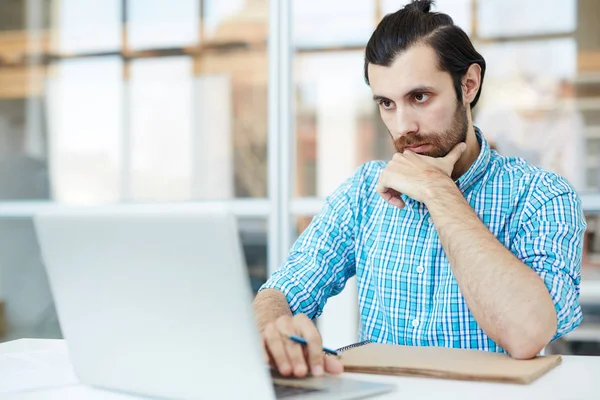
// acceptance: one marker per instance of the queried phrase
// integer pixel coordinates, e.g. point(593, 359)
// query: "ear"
point(471, 82)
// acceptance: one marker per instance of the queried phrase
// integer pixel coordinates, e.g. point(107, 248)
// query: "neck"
point(469, 156)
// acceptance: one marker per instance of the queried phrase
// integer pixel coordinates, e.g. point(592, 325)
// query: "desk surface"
point(578, 377)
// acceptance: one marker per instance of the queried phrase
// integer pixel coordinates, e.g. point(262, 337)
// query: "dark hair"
point(415, 24)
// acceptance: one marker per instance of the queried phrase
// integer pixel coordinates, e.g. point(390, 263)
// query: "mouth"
point(422, 148)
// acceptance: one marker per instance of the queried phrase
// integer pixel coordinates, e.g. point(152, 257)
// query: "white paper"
point(35, 370)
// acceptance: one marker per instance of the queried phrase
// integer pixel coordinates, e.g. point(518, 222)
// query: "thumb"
point(455, 153)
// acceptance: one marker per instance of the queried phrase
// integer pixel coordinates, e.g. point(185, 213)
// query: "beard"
point(441, 143)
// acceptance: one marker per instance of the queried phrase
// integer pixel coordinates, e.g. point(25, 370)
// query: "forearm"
point(507, 298)
point(269, 305)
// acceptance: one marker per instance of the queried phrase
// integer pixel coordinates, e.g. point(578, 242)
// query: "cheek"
point(435, 118)
point(388, 118)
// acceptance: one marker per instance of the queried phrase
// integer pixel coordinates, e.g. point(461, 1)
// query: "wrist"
point(439, 190)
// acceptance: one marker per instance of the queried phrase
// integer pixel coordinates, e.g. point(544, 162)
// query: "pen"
point(303, 342)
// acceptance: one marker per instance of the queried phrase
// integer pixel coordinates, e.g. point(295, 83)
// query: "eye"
point(386, 104)
point(420, 98)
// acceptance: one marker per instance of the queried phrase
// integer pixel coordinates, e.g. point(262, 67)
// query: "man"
point(452, 244)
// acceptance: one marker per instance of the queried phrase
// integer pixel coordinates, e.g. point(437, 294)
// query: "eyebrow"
point(378, 98)
point(418, 89)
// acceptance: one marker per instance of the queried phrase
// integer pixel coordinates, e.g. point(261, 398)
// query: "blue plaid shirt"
point(407, 292)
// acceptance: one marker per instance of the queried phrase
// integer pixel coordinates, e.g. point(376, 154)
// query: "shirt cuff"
point(298, 299)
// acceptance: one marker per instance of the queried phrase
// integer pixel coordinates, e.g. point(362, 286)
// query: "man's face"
point(418, 103)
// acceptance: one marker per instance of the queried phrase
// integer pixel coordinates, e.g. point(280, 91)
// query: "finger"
point(396, 201)
point(393, 197)
point(381, 188)
point(308, 331)
point(293, 349)
point(265, 352)
point(397, 156)
point(455, 153)
point(276, 349)
point(333, 365)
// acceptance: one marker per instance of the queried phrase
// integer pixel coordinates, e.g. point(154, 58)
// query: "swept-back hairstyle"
point(416, 24)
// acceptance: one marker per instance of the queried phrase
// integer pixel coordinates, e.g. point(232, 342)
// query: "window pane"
point(202, 138)
point(232, 97)
point(534, 17)
point(163, 23)
point(161, 129)
point(332, 23)
point(527, 107)
point(25, 294)
point(337, 125)
point(459, 10)
point(23, 134)
point(84, 116)
point(231, 101)
point(222, 20)
point(85, 26)
point(23, 164)
point(531, 58)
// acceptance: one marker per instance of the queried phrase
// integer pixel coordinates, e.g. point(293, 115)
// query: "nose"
point(406, 123)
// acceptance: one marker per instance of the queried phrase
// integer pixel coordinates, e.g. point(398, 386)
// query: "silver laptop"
point(156, 301)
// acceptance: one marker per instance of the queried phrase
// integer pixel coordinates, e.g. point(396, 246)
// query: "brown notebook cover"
point(442, 362)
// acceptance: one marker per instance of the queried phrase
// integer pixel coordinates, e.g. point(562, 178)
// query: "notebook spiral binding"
point(353, 345)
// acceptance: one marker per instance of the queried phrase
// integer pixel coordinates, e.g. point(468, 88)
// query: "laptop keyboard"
point(286, 391)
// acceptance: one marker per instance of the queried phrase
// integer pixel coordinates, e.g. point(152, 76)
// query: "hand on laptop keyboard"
point(291, 358)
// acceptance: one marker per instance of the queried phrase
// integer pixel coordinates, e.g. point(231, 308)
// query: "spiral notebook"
point(442, 362)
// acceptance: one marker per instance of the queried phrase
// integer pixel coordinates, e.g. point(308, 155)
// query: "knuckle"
point(316, 358)
point(312, 334)
point(295, 351)
point(283, 322)
point(284, 319)
point(296, 356)
point(269, 330)
point(304, 323)
point(300, 317)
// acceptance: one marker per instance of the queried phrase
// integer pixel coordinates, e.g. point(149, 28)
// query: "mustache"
point(412, 140)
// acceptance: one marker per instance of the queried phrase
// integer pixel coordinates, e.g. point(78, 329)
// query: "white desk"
point(576, 378)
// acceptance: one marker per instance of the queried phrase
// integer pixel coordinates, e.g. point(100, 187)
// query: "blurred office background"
point(261, 106)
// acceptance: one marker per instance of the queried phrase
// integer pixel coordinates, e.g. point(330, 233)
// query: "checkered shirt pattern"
point(407, 293)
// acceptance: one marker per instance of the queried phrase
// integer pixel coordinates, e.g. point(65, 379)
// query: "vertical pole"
point(280, 130)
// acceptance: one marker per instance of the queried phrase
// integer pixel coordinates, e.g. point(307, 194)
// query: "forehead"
point(416, 66)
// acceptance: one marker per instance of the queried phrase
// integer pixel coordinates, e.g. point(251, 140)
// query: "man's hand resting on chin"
point(415, 175)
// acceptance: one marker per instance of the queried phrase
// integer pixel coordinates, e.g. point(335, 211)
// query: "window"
point(513, 18)
point(103, 102)
point(155, 24)
point(85, 133)
point(88, 26)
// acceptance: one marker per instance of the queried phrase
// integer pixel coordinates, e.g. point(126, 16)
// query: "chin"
point(435, 154)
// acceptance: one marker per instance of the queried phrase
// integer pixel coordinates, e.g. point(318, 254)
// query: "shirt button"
point(415, 322)
point(430, 220)
point(420, 269)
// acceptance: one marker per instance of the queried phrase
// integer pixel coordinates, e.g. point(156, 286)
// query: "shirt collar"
point(479, 166)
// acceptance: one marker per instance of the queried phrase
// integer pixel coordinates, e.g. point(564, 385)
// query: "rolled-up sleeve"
point(550, 241)
point(322, 259)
